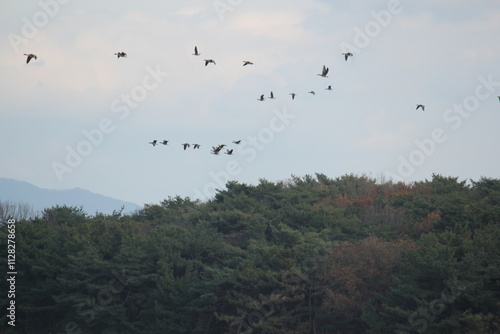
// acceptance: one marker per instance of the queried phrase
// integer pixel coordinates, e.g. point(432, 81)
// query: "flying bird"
point(164, 142)
point(208, 61)
point(272, 96)
point(154, 142)
point(293, 95)
point(196, 53)
point(329, 87)
point(195, 146)
point(246, 62)
point(216, 150)
point(420, 106)
point(261, 98)
point(29, 57)
point(312, 92)
point(229, 152)
point(120, 54)
point(324, 72)
point(186, 145)
point(237, 141)
point(347, 55)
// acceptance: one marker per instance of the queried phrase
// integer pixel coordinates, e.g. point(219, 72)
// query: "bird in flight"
point(164, 142)
point(229, 152)
point(420, 106)
point(293, 95)
point(237, 141)
point(186, 145)
point(246, 62)
point(120, 54)
point(216, 150)
point(261, 98)
point(195, 146)
point(329, 87)
point(196, 53)
point(312, 92)
point(272, 96)
point(208, 61)
point(29, 57)
point(154, 142)
point(347, 55)
point(324, 72)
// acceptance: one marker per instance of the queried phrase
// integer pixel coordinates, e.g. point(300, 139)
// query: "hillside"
point(309, 255)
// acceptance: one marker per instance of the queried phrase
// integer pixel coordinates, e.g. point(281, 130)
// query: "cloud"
point(285, 25)
point(397, 138)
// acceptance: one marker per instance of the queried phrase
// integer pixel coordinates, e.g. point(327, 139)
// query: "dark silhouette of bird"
point(164, 142)
point(208, 61)
point(196, 53)
point(329, 87)
point(120, 54)
point(347, 55)
point(229, 152)
point(186, 145)
point(29, 57)
point(195, 146)
point(324, 72)
point(293, 95)
point(261, 98)
point(272, 96)
point(237, 141)
point(312, 92)
point(216, 150)
point(154, 142)
point(420, 106)
point(246, 62)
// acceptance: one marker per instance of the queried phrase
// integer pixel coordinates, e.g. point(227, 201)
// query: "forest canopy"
point(310, 254)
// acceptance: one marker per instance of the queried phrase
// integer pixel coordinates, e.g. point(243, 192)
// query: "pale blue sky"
point(445, 56)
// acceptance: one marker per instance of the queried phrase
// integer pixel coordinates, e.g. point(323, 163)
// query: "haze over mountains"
point(39, 198)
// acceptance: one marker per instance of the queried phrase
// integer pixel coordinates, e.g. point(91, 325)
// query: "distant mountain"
point(39, 198)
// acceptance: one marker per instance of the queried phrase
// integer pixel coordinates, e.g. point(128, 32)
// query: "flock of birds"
point(216, 150)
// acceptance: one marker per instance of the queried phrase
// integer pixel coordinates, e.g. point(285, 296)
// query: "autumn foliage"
point(307, 255)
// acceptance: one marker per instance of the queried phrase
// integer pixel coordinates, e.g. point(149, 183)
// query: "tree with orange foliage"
point(354, 272)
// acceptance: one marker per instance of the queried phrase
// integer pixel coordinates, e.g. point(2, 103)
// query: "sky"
point(79, 117)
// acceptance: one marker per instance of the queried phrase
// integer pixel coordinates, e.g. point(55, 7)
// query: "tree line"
point(309, 254)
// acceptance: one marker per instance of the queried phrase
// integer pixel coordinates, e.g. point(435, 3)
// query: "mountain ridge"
point(16, 191)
